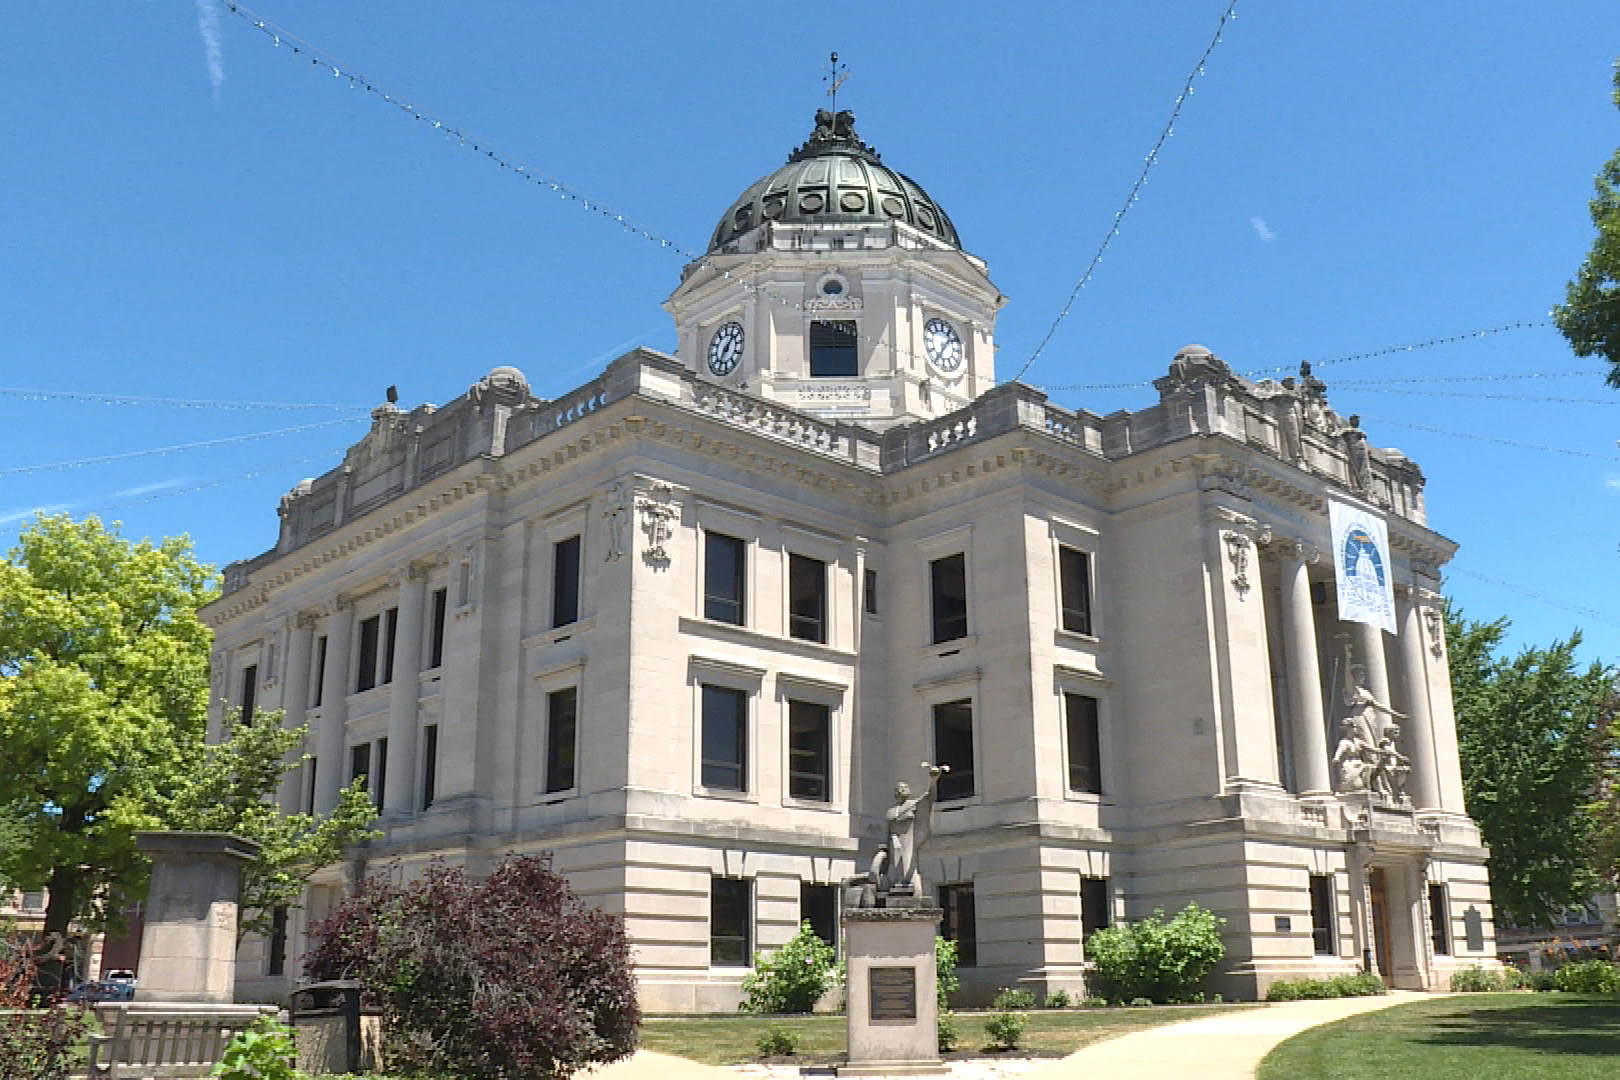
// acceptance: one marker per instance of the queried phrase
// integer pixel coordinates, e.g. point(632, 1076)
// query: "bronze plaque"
point(893, 993)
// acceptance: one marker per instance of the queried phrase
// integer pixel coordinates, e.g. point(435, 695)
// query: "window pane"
point(807, 598)
point(561, 732)
point(948, 589)
point(360, 765)
point(953, 746)
point(1322, 914)
point(379, 783)
point(1085, 752)
point(1074, 571)
point(320, 670)
point(729, 923)
point(565, 582)
point(390, 633)
point(808, 738)
point(959, 924)
point(1439, 920)
point(436, 649)
point(725, 733)
point(869, 590)
point(430, 764)
point(1094, 906)
point(832, 349)
point(818, 906)
point(366, 673)
point(723, 578)
point(250, 692)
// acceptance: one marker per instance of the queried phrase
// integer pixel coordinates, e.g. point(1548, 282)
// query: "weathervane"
point(836, 74)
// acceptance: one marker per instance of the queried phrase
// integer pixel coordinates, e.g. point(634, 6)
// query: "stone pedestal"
point(891, 1002)
point(188, 943)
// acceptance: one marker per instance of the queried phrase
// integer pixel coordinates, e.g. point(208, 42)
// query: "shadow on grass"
point(1588, 1027)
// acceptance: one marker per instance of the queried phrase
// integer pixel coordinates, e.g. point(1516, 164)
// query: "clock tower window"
point(832, 348)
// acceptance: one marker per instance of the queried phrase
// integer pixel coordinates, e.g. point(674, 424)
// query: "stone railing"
point(765, 418)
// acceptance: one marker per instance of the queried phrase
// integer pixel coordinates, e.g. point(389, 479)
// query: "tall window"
point(809, 736)
point(250, 692)
point(818, 906)
point(832, 348)
point(725, 738)
point(320, 670)
point(1439, 920)
point(379, 772)
point(730, 923)
point(1074, 578)
point(1094, 906)
point(390, 639)
point(430, 764)
point(561, 733)
point(441, 598)
point(1085, 748)
point(953, 746)
point(565, 582)
point(360, 765)
point(277, 961)
point(869, 599)
point(807, 598)
point(1322, 917)
point(723, 588)
point(366, 669)
point(309, 802)
point(947, 580)
point(959, 924)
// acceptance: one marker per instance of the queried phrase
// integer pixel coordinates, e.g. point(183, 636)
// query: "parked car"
point(88, 993)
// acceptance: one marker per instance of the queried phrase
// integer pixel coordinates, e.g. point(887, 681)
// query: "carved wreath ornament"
point(1237, 551)
point(657, 505)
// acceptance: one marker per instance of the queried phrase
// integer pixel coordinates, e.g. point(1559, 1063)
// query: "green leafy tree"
point(1157, 959)
point(1526, 732)
point(1605, 805)
point(1590, 317)
point(791, 979)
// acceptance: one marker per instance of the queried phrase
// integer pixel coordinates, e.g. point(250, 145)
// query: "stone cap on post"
point(216, 844)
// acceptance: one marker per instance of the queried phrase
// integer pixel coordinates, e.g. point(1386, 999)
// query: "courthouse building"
point(686, 626)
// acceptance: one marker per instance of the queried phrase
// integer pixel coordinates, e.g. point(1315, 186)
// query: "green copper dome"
point(834, 178)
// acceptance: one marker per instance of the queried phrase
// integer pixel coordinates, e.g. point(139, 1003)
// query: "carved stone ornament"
point(657, 505)
point(388, 429)
point(1437, 631)
point(841, 302)
point(616, 510)
point(1237, 552)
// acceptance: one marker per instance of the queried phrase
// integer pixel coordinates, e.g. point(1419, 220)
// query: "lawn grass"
point(1510, 1036)
point(733, 1039)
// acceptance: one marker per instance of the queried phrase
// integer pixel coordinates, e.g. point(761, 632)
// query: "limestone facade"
point(685, 626)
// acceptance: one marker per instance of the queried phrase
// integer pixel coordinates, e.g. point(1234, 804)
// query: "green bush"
point(1362, 984)
point(1057, 999)
point(1014, 998)
point(1157, 959)
point(1005, 1029)
point(1477, 980)
point(265, 1051)
point(1588, 977)
point(1542, 980)
point(946, 983)
point(1095, 1003)
point(778, 1042)
point(791, 979)
point(1139, 1002)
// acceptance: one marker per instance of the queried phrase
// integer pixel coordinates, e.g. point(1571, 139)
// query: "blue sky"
point(193, 212)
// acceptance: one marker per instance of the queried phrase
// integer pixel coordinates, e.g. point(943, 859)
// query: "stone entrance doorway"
point(1378, 891)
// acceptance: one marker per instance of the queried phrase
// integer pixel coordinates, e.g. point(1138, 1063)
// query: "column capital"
point(1292, 547)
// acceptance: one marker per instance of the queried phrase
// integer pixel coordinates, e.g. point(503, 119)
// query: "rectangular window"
point(1074, 578)
point(309, 803)
point(947, 580)
point(869, 591)
point(1439, 920)
point(379, 773)
point(1322, 917)
point(277, 964)
point(730, 943)
point(809, 751)
point(959, 925)
point(723, 565)
point(430, 764)
point(441, 599)
point(250, 692)
point(390, 637)
point(464, 584)
point(320, 670)
point(807, 598)
point(953, 746)
point(565, 581)
point(561, 733)
point(1094, 906)
point(1085, 748)
point(818, 906)
point(360, 765)
point(366, 669)
point(725, 738)
point(832, 349)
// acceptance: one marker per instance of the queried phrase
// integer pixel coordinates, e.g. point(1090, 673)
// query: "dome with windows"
point(834, 178)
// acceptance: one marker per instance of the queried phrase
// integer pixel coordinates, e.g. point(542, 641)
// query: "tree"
point(1605, 804)
point(1590, 317)
point(1526, 731)
point(511, 977)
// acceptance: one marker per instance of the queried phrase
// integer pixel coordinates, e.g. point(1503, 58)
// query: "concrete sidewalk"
point(1225, 1047)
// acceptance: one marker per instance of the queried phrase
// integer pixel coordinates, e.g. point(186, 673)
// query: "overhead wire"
point(103, 459)
point(94, 397)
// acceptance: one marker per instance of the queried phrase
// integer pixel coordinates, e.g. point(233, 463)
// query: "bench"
point(153, 1041)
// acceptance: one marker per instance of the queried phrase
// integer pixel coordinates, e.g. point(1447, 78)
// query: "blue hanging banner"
point(1362, 566)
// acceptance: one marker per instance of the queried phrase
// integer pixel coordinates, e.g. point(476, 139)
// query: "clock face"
point(944, 348)
point(725, 348)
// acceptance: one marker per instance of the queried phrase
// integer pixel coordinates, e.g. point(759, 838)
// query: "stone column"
point(1369, 653)
point(295, 696)
point(1424, 787)
point(404, 694)
point(188, 940)
point(1304, 671)
point(332, 737)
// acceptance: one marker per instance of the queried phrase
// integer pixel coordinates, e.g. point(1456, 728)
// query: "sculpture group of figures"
point(893, 879)
point(1368, 756)
point(1303, 405)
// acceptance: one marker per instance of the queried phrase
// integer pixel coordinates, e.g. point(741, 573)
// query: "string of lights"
point(1429, 343)
point(93, 397)
point(159, 451)
point(1585, 612)
point(1494, 439)
point(1500, 377)
point(1370, 389)
point(1151, 160)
